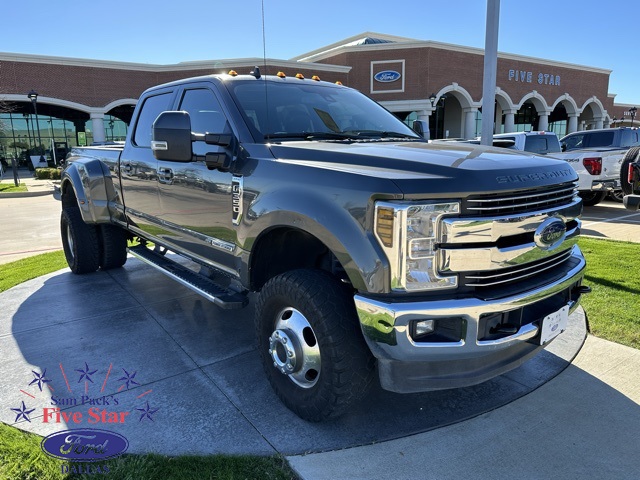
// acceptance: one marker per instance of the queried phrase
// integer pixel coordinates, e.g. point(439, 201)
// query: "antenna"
point(264, 61)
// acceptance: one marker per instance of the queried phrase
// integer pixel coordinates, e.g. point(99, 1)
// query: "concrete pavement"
point(551, 418)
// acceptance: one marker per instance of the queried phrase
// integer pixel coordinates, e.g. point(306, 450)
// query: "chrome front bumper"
point(405, 365)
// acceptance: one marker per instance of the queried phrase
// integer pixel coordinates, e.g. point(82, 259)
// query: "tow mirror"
point(172, 137)
point(421, 128)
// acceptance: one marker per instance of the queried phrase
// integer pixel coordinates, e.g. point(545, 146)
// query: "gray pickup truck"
point(372, 252)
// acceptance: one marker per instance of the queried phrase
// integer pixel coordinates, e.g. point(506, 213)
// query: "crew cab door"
point(196, 200)
point(139, 167)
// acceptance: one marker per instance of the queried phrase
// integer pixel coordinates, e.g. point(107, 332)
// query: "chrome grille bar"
point(518, 273)
point(523, 201)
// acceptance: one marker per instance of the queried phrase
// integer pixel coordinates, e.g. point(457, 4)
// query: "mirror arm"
point(212, 139)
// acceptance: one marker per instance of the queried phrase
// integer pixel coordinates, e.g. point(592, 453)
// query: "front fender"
point(88, 179)
point(338, 227)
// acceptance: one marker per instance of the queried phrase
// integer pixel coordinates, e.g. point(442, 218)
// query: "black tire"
point(332, 340)
point(589, 199)
point(80, 242)
point(113, 246)
point(632, 155)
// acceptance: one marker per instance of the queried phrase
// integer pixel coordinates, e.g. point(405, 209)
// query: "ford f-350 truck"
point(372, 252)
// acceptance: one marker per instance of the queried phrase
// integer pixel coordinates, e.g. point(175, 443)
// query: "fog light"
point(424, 327)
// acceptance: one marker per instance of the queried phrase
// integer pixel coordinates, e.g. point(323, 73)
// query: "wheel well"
point(286, 249)
point(68, 195)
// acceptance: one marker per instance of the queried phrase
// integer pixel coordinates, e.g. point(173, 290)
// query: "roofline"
point(148, 67)
point(341, 43)
point(340, 47)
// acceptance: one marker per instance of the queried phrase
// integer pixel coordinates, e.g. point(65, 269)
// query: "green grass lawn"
point(613, 272)
point(11, 187)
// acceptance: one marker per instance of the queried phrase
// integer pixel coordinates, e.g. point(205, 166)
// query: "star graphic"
point(23, 412)
point(39, 378)
point(85, 373)
point(147, 412)
point(129, 378)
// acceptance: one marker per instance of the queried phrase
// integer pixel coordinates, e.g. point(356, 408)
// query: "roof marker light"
point(316, 78)
point(300, 76)
point(281, 74)
point(338, 82)
point(233, 73)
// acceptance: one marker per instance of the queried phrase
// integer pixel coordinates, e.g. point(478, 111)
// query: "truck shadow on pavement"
point(189, 376)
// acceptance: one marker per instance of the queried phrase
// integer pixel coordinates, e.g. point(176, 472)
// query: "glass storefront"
point(21, 136)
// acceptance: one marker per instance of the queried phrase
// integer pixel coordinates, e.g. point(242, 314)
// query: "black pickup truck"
point(373, 252)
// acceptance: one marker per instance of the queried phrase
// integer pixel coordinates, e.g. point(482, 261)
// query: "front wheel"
point(80, 242)
point(591, 198)
point(311, 345)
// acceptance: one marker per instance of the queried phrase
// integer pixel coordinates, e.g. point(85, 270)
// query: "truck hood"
point(438, 169)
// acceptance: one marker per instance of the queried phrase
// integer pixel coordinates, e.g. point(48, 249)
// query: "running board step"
point(220, 296)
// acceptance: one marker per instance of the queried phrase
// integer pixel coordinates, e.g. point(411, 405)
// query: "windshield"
point(314, 111)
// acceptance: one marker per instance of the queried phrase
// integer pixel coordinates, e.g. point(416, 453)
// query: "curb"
point(41, 193)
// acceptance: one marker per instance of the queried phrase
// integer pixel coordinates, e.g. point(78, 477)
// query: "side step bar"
point(220, 296)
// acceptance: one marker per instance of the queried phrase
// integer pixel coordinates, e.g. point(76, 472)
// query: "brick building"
point(84, 101)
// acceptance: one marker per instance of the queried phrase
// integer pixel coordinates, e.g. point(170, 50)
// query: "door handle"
point(165, 175)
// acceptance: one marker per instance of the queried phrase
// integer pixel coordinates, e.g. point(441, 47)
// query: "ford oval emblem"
point(84, 445)
point(550, 234)
point(387, 76)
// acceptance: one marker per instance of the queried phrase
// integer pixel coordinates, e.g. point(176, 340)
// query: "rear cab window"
point(151, 108)
point(542, 144)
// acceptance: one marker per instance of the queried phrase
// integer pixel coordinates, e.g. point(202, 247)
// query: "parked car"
point(541, 143)
point(596, 155)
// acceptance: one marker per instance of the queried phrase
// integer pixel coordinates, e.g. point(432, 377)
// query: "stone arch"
point(536, 99)
point(569, 103)
point(458, 110)
point(592, 114)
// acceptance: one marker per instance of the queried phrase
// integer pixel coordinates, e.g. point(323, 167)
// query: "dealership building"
point(53, 101)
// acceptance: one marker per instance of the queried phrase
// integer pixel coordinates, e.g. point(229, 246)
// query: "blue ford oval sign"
point(550, 234)
point(387, 76)
point(84, 445)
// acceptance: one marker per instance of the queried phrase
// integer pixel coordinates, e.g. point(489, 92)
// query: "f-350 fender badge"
point(237, 189)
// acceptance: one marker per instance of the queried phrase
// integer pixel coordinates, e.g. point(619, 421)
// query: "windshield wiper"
point(313, 135)
point(381, 134)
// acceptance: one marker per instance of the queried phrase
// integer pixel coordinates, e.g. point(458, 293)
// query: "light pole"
point(33, 96)
point(632, 112)
point(111, 124)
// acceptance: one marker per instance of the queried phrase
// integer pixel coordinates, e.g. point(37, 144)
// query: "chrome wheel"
point(294, 348)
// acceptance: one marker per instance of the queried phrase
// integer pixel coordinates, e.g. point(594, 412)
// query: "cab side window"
point(152, 107)
point(205, 111)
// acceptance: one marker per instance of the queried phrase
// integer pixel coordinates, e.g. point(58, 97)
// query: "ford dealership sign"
point(387, 76)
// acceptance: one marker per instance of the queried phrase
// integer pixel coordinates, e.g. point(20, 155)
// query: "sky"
point(583, 32)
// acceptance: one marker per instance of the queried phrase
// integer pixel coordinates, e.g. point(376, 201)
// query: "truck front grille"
point(522, 201)
point(494, 243)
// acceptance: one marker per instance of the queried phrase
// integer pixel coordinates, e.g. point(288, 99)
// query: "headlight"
point(408, 233)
